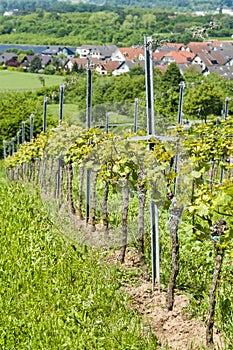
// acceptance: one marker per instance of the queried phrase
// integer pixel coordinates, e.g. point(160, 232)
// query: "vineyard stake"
point(226, 107)
point(107, 123)
point(149, 85)
point(151, 131)
point(155, 246)
point(181, 100)
point(179, 121)
point(45, 115)
point(31, 126)
point(4, 149)
point(18, 140)
point(88, 125)
point(23, 131)
point(12, 145)
point(135, 115)
point(61, 99)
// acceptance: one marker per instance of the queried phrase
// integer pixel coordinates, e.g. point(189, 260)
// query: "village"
point(206, 57)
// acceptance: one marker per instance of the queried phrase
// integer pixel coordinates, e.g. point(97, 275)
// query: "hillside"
point(192, 5)
point(183, 4)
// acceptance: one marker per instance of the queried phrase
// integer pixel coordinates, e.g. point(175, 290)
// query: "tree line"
point(121, 26)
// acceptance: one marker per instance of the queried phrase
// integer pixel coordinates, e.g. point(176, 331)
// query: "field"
point(19, 81)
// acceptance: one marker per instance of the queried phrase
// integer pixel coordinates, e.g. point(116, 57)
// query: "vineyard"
point(164, 190)
point(104, 184)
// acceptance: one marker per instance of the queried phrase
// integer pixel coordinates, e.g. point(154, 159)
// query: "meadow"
point(20, 81)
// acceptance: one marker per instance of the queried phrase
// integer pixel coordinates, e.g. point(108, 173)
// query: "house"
point(128, 54)
point(58, 50)
point(13, 63)
point(107, 68)
point(6, 57)
point(101, 52)
point(124, 67)
point(196, 47)
point(82, 63)
point(84, 50)
point(157, 57)
point(171, 47)
point(26, 61)
point(205, 59)
point(224, 71)
point(178, 57)
point(45, 60)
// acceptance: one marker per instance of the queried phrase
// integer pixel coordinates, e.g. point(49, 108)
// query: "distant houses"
point(205, 57)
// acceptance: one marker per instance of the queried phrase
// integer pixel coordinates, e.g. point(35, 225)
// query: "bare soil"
point(175, 329)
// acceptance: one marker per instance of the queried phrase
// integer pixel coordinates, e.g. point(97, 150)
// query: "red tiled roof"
point(157, 56)
point(83, 61)
point(109, 65)
point(131, 53)
point(181, 56)
point(195, 47)
point(177, 45)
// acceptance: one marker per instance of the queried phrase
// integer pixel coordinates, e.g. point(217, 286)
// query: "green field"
point(19, 81)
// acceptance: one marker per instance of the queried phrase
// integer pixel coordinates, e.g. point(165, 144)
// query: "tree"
point(171, 78)
point(35, 65)
point(203, 99)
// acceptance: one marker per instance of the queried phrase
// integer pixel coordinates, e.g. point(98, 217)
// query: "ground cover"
point(55, 294)
point(20, 81)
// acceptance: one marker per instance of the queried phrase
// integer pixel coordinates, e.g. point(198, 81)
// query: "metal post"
point(88, 125)
point(180, 114)
point(107, 123)
point(4, 149)
point(12, 145)
point(155, 246)
point(89, 99)
point(61, 99)
point(226, 108)
point(45, 115)
point(23, 131)
point(88, 194)
point(18, 140)
point(31, 126)
point(135, 115)
point(151, 131)
point(9, 148)
point(181, 99)
point(149, 85)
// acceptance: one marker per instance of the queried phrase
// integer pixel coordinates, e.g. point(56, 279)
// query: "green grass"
point(70, 111)
point(20, 81)
point(55, 294)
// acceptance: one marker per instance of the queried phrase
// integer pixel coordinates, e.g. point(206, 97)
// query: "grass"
point(54, 293)
point(20, 81)
point(70, 111)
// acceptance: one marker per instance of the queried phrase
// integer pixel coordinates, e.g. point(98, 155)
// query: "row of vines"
point(188, 175)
